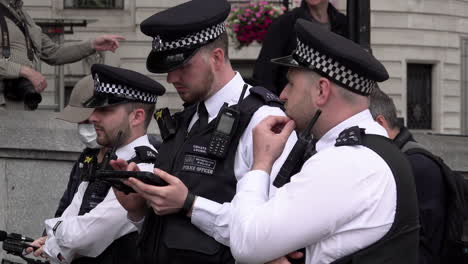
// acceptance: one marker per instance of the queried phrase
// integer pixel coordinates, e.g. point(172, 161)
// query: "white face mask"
point(87, 135)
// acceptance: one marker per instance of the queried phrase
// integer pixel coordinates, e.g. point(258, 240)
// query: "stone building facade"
point(428, 32)
point(421, 42)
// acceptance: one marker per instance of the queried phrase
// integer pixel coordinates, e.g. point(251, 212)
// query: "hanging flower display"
point(250, 22)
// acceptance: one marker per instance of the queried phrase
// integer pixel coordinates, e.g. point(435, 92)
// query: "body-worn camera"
point(22, 89)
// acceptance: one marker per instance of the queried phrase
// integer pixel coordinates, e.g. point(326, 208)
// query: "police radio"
point(227, 122)
point(295, 156)
point(226, 125)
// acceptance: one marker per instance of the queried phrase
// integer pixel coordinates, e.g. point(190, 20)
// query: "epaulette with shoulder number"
point(144, 154)
point(350, 137)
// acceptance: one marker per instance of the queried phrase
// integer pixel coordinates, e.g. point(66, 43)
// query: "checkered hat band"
point(333, 69)
point(124, 91)
point(200, 37)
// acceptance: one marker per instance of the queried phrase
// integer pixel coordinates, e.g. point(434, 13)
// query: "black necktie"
point(202, 121)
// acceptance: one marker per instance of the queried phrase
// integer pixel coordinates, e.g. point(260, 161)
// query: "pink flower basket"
point(250, 22)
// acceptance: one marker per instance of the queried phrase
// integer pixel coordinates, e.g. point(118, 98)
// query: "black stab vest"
point(173, 239)
point(123, 249)
point(401, 243)
point(83, 165)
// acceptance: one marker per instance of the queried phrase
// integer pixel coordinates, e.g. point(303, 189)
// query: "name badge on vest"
point(196, 160)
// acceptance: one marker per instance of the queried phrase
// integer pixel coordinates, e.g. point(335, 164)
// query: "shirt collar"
point(230, 94)
point(127, 152)
point(362, 119)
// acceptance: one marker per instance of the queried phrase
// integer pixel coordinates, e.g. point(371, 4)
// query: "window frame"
point(429, 93)
point(116, 7)
point(464, 85)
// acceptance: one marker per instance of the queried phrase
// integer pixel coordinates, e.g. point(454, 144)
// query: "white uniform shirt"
point(342, 200)
point(209, 216)
point(90, 234)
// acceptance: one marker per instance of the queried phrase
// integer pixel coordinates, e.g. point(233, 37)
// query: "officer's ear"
point(217, 58)
point(323, 92)
point(137, 117)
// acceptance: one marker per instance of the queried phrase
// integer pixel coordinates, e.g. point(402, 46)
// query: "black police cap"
point(334, 57)
point(178, 32)
point(114, 85)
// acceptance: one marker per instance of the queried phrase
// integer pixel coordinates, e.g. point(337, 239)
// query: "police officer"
point(22, 43)
point(429, 179)
point(74, 112)
point(353, 201)
point(94, 228)
point(211, 145)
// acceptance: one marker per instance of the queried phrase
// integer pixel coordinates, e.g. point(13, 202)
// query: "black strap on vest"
point(95, 193)
point(258, 97)
point(266, 96)
point(400, 244)
point(6, 51)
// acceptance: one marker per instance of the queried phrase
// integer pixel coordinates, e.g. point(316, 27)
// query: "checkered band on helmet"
point(124, 91)
point(191, 40)
point(333, 69)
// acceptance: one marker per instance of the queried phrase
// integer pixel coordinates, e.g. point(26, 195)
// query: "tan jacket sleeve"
point(54, 54)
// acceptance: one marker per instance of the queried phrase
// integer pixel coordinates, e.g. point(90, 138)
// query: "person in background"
point(23, 45)
point(430, 185)
point(280, 40)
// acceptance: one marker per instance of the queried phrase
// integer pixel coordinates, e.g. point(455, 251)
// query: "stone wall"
point(36, 155)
